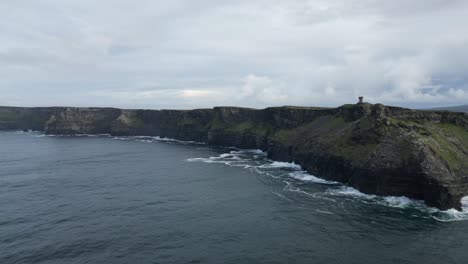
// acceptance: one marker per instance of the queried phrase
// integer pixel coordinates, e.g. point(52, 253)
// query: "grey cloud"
point(184, 54)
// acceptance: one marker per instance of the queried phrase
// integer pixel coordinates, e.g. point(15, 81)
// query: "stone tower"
point(361, 99)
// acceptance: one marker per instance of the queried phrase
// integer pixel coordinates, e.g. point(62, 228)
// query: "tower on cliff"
point(361, 99)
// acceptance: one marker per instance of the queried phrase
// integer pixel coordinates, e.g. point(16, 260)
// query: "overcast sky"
point(255, 53)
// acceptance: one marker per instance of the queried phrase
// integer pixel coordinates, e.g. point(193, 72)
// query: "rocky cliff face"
point(374, 148)
point(14, 118)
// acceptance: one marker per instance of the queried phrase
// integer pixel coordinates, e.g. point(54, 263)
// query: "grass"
point(450, 142)
point(333, 135)
point(248, 126)
point(356, 142)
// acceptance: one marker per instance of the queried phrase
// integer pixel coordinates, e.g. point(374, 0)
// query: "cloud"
point(261, 90)
point(257, 53)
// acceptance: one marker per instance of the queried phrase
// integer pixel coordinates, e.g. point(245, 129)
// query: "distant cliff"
point(375, 148)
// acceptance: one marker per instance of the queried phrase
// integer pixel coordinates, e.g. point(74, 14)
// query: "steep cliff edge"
point(14, 118)
point(375, 148)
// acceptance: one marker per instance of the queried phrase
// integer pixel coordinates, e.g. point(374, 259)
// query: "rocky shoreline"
point(375, 148)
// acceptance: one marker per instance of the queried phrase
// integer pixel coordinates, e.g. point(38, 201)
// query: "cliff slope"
point(375, 148)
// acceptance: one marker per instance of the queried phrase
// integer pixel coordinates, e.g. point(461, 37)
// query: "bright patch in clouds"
point(197, 93)
point(256, 53)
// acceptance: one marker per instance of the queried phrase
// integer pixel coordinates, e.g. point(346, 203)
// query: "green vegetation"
point(450, 142)
point(260, 129)
point(354, 152)
point(418, 127)
point(320, 127)
point(250, 127)
point(7, 115)
point(357, 140)
point(447, 140)
point(350, 140)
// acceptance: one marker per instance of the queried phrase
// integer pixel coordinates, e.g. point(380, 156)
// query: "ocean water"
point(104, 199)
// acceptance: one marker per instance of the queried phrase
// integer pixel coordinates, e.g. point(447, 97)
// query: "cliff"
point(375, 148)
point(14, 118)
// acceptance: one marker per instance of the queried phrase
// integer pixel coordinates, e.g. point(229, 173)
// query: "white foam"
point(121, 138)
point(235, 158)
point(324, 212)
point(206, 160)
point(248, 151)
point(391, 201)
point(229, 156)
point(289, 187)
point(464, 202)
point(349, 191)
point(279, 165)
point(165, 139)
point(46, 135)
point(304, 176)
point(451, 215)
point(83, 135)
point(255, 168)
point(247, 159)
point(399, 201)
point(149, 139)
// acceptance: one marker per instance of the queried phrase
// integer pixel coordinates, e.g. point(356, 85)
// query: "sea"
point(106, 199)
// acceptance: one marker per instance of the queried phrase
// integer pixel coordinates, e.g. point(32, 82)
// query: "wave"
point(262, 165)
point(281, 165)
point(452, 215)
point(349, 191)
point(306, 177)
point(257, 161)
point(399, 201)
point(150, 139)
point(391, 201)
point(74, 135)
point(244, 151)
point(404, 202)
point(18, 132)
point(207, 160)
point(145, 139)
point(233, 158)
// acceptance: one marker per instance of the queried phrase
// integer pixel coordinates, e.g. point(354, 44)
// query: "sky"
point(184, 54)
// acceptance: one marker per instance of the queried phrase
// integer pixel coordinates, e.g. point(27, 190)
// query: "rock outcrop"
point(375, 148)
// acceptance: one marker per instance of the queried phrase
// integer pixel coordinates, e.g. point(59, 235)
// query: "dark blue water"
point(146, 200)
